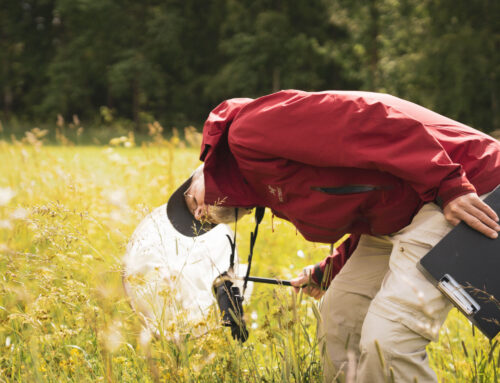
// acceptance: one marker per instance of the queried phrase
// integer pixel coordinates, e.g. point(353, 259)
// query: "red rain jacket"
point(340, 162)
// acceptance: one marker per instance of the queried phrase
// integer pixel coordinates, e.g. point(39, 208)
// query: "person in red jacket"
point(392, 174)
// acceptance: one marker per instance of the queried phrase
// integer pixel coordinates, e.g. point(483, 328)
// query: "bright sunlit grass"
point(66, 214)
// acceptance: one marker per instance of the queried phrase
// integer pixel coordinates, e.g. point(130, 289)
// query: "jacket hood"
point(224, 183)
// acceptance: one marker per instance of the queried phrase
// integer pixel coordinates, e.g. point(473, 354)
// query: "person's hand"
point(309, 287)
point(474, 212)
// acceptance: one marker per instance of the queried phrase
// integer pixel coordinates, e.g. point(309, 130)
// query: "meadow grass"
point(66, 214)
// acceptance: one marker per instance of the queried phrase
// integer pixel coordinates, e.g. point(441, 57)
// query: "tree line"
point(174, 60)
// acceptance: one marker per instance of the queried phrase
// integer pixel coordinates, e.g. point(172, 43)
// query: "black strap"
point(232, 242)
point(259, 214)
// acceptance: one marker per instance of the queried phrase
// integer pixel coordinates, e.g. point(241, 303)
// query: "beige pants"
point(381, 305)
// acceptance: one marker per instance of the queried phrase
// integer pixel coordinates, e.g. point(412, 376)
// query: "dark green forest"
point(174, 60)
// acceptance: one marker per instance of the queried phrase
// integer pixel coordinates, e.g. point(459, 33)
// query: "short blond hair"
point(226, 214)
point(217, 213)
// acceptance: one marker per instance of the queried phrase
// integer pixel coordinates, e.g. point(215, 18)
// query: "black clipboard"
point(465, 266)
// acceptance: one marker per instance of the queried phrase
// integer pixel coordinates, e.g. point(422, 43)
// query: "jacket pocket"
point(347, 189)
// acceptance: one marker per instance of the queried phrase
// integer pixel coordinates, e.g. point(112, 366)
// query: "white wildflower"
point(5, 224)
point(117, 197)
point(117, 159)
point(116, 215)
point(145, 338)
point(6, 194)
point(19, 213)
point(113, 338)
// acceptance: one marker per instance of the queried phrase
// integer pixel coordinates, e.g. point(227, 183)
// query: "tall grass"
point(66, 214)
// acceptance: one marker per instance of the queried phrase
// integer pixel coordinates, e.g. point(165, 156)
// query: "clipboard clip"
point(457, 294)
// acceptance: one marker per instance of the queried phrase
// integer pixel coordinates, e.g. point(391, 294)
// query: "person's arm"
point(473, 211)
point(315, 279)
point(327, 130)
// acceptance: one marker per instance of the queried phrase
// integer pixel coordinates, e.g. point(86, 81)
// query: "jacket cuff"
point(453, 188)
point(324, 271)
point(317, 274)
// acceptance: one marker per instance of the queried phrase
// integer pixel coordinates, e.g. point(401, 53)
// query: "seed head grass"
point(66, 215)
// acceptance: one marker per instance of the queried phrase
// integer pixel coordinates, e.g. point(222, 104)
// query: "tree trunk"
point(7, 95)
point(109, 96)
point(7, 101)
point(373, 51)
point(276, 79)
point(135, 103)
point(494, 104)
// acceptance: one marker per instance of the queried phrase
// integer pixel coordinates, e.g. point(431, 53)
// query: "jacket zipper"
point(347, 189)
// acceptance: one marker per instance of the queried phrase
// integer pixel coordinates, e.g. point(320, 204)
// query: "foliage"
point(66, 215)
point(174, 60)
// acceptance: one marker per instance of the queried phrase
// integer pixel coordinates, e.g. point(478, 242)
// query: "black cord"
point(233, 242)
point(259, 214)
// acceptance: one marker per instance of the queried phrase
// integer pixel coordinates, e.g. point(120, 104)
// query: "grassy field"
point(66, 214)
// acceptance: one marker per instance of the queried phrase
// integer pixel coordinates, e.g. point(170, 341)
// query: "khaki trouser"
point(381, 303)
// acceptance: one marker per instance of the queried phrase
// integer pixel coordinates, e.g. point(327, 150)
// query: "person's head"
point(188, 213)
point(195, 201)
